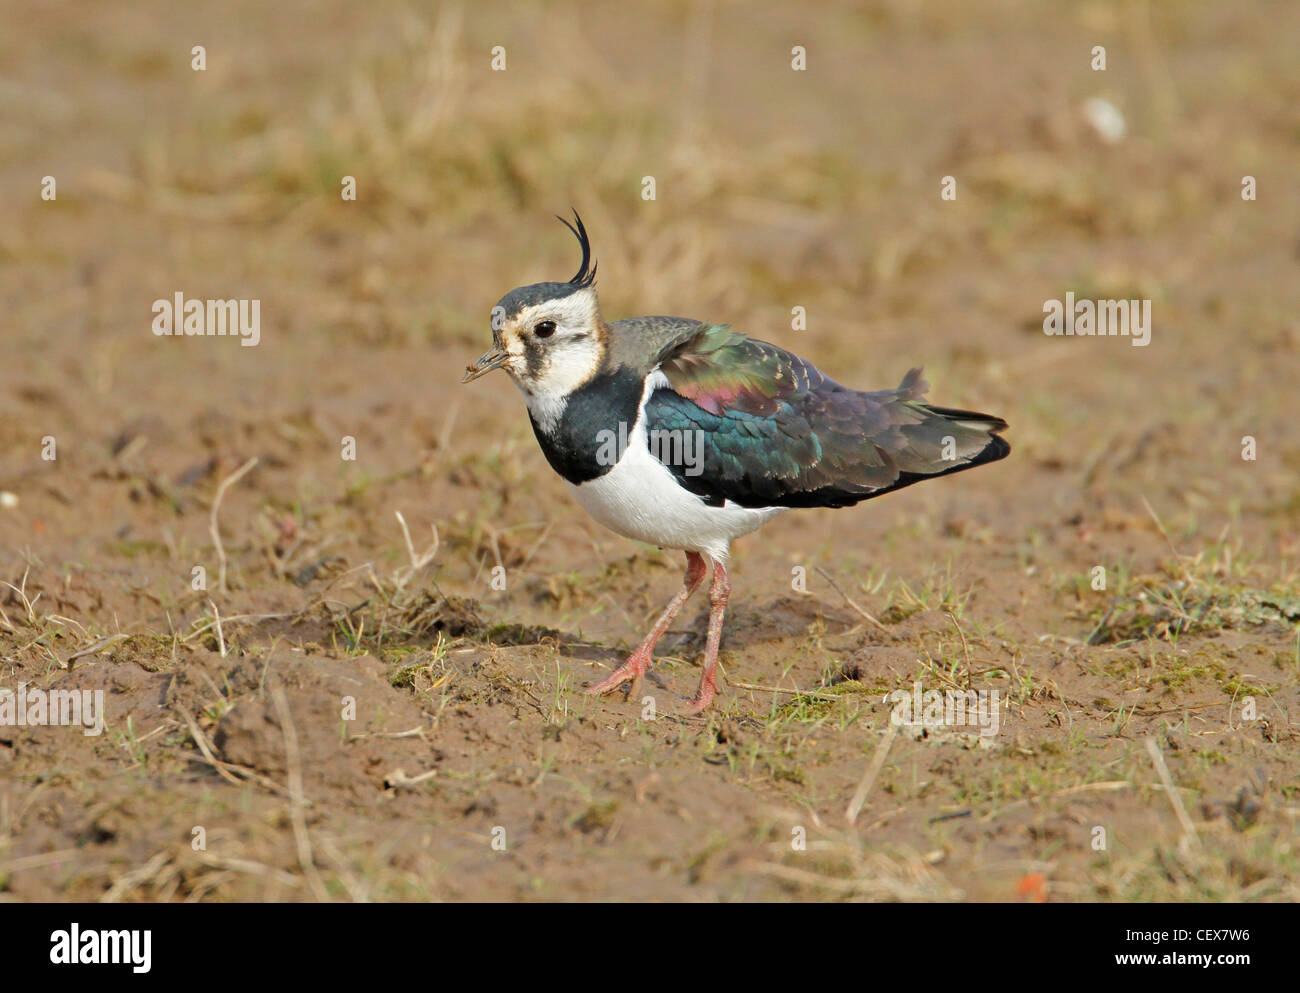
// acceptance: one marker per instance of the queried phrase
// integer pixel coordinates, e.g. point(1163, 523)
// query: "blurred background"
point(775, 188)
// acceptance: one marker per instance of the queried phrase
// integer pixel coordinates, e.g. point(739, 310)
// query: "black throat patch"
point(598, 419)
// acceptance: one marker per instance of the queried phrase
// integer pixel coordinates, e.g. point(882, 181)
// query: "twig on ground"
point(214, 530)
point(781, 689)
point(849, 600)
point(296, 800)
point(418, 561)
point(1176, 801)
point(98, 646)
point(398, 778)
point(221, 638)
point(873, 770)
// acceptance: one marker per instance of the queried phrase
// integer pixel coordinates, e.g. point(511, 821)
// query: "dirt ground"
point(359, 715)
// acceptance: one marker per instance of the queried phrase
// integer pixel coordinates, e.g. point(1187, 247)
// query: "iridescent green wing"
point(773, 430)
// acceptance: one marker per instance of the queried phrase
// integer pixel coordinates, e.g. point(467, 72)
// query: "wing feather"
point(776, 431)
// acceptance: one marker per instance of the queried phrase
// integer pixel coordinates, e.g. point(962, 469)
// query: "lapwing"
point(688, 435)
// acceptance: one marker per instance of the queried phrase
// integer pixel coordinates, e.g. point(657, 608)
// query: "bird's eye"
point(544, 329)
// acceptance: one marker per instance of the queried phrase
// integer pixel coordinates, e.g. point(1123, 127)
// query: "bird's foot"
point(633, 669)
point(703, 696)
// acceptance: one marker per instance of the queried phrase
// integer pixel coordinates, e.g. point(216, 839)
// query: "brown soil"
point(357, 727)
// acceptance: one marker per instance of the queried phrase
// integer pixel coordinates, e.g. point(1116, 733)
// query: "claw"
point(703, 696)
point(634, 669)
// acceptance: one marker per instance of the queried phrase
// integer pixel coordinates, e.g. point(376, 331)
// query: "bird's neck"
point(584, 433)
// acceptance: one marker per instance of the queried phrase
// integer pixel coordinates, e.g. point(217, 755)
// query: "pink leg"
point(639, 661)
point(719, 593)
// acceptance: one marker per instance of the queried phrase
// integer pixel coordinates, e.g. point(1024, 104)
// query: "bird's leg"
point(639, 661)
point(719, 593)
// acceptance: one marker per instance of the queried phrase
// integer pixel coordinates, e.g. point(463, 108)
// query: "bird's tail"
point(949, 440)
point(942, 439)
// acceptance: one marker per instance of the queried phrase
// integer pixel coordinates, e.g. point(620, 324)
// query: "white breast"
point(640, 498)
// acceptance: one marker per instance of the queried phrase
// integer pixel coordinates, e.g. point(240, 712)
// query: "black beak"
point(494, 359)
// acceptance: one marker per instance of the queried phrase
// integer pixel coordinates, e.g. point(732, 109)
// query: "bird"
point(688, 434)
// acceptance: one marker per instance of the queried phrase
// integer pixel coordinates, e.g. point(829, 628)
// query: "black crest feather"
point(585, 276)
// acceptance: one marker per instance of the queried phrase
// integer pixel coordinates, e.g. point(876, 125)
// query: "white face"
point(553, 348)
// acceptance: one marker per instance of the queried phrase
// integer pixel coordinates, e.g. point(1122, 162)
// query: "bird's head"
point(548, 336)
